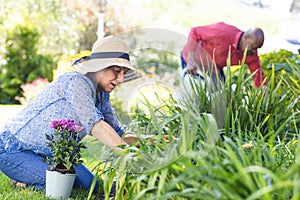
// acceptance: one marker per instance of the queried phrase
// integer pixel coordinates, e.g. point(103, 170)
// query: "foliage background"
point(65, 28)
point(267, 121)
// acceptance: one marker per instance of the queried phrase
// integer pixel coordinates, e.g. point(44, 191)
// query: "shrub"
point(23, 63)
point(282, 61)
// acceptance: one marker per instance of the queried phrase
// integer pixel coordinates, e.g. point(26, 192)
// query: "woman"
point(83, 96)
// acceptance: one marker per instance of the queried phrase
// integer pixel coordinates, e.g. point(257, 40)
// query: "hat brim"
point(94, 65)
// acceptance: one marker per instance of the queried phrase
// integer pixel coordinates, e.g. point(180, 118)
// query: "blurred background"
point(66, 27)
point(40, 38)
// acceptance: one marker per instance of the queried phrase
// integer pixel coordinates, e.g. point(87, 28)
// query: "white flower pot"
point(58, 185)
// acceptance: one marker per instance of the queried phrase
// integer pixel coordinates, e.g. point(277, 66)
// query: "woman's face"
point(110, 77)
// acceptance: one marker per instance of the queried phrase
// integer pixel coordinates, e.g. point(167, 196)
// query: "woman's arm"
point(107, 135)
point(130, 138)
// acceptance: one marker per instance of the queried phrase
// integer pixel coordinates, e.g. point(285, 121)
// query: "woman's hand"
point(130, 138)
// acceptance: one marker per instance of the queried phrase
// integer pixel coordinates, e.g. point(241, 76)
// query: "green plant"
point(280, 57)
point(198, 166)
point(283, 63)
point(65, 145)
point(154, 61)
point(252, 112)
point(23, 63)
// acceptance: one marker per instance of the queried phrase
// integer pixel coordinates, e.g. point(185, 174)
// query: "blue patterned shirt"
point(72, 96)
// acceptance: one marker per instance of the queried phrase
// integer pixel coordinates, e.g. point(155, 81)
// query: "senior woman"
point(82, 95)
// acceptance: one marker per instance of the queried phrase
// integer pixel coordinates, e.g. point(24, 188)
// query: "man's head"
point(252, 40)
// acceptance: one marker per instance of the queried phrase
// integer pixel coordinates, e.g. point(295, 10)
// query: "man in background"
point(209, 47)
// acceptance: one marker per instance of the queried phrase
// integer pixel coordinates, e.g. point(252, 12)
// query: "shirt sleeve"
point(80, 94)
point(208, 36)
point(109, 113)
point(209, 44)
point(193, 39)
point(254, 66)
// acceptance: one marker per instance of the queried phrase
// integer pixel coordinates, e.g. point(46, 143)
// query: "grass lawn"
point(8, 191)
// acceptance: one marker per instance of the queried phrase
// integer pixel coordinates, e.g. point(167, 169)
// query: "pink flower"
point(65, 125)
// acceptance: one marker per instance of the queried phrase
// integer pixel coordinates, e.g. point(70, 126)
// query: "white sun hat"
point(106, 52)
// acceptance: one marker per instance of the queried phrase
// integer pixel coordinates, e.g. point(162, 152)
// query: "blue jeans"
point(29, 168)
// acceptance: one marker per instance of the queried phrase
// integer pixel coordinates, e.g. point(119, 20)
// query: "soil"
point(63, 170)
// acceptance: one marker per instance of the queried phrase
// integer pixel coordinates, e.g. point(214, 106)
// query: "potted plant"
point(66, 152)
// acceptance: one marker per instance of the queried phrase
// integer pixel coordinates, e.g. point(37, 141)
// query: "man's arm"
point(255, 67)
point(190, 50)
point(191, 66)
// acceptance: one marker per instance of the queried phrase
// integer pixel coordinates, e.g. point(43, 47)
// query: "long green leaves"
point(240, 142)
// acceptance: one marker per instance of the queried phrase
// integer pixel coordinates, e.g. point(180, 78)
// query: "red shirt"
point(215, 41)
